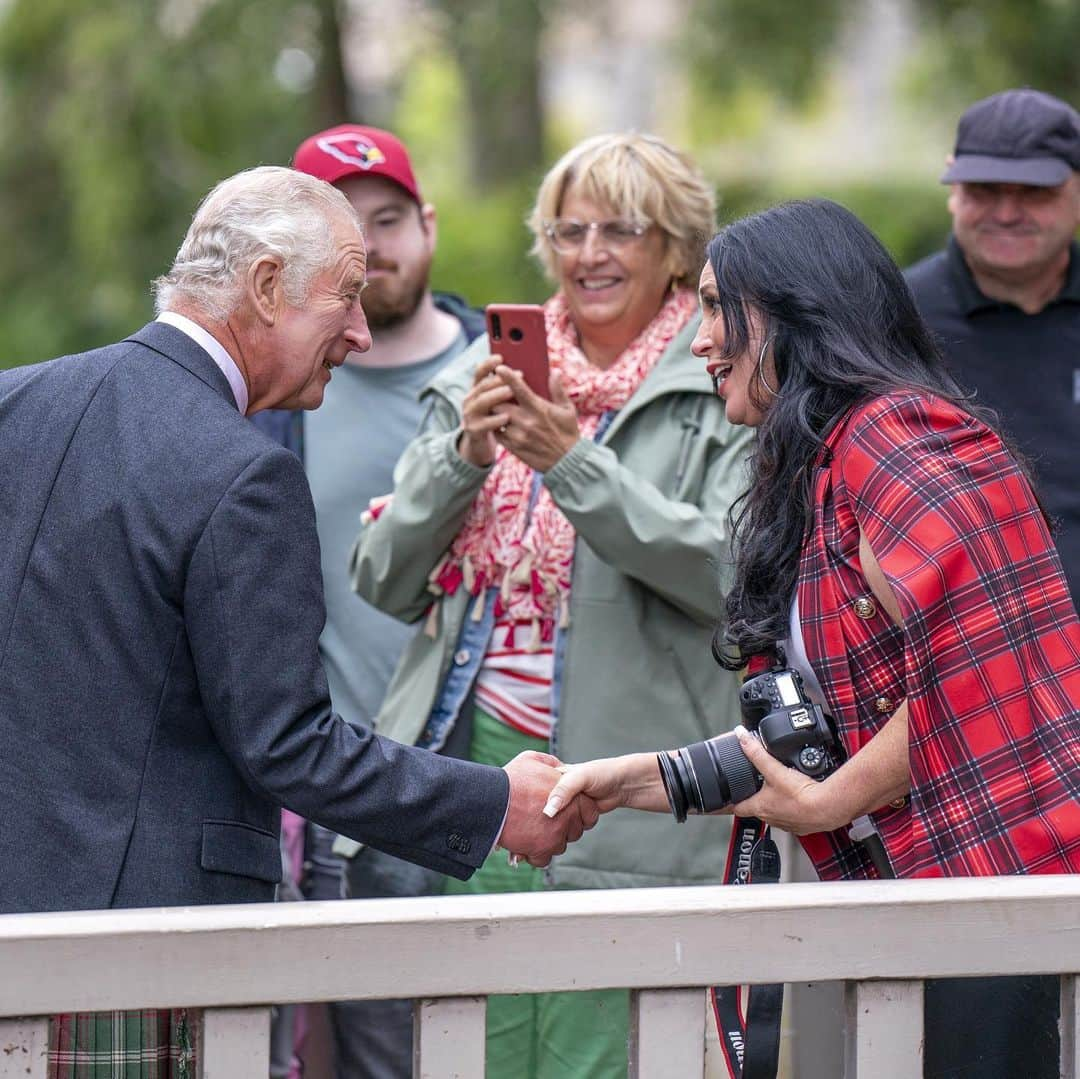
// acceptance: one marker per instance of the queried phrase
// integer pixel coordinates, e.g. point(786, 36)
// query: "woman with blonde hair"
point(565, 555)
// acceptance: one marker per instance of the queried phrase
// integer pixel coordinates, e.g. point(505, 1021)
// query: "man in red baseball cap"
point(372, 168)
point(371, 409)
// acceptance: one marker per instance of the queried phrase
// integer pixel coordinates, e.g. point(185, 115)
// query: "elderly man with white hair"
point(161, 603)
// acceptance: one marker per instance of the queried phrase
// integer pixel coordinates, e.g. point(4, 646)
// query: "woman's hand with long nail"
point(633, 781)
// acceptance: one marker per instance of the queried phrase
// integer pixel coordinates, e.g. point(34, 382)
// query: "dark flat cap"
point(1016, 137)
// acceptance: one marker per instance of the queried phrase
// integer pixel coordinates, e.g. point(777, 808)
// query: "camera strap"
point(748, 1017)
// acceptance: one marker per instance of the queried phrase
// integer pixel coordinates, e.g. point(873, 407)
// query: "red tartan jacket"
point(988, 655)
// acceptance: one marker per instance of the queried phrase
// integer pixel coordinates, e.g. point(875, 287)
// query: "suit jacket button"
point(865, 608)
point(462, 656)
point(883, 705)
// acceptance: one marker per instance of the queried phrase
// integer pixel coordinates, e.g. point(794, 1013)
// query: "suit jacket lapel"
point(175, 345)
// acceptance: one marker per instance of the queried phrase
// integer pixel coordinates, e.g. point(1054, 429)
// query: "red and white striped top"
point(514, 683)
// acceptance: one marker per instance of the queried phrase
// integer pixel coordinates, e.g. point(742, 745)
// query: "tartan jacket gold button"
point(883, 705)
point(865, 608)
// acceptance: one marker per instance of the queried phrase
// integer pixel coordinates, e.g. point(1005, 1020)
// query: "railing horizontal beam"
point(442, 947)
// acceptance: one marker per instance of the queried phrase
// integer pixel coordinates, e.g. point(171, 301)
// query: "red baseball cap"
point(352, 150)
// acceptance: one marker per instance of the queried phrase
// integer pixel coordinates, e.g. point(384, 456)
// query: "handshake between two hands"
point(552, 805)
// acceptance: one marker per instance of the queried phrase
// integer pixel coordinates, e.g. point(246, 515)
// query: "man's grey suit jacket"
point(161, 694)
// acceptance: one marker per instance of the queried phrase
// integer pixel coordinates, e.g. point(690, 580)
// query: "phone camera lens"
point(516, 334)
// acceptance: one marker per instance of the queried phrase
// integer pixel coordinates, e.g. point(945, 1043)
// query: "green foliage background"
point(117, 116)
point(113, 123)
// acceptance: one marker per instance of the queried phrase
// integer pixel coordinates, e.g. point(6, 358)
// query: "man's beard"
point(390, 301)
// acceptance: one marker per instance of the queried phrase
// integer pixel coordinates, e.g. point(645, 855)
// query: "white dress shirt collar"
point(210, 344)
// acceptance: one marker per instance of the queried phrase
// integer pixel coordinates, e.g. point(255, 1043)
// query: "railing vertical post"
point(1070, 1027)
point(235, 1043)
point(24, 1048)
point(884, 1035)
point(449, 1038)
point(667, 1033)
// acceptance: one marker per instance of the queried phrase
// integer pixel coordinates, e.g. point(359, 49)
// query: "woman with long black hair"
point(890, 548)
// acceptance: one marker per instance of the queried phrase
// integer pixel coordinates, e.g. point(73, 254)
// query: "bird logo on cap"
point(352, 150)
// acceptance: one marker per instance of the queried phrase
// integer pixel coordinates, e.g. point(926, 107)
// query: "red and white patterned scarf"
point(529, 557)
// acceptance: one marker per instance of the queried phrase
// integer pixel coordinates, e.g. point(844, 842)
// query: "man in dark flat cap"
point(1004, 296)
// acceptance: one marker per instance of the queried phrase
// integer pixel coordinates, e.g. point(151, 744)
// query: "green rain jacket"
point(650, 504)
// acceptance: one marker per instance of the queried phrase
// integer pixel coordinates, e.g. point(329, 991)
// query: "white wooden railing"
point(880, 938)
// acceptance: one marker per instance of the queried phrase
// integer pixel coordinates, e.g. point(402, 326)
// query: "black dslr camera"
point(775, 709)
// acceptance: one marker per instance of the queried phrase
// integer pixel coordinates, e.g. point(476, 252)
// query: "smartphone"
point(516, 332)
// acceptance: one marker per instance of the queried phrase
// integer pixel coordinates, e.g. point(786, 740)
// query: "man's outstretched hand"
point(527, 832)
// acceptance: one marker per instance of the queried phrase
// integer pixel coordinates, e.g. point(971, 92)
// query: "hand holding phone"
point(517, 333)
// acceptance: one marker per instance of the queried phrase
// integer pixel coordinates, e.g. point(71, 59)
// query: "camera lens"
point(741, 780)
point(710, 775)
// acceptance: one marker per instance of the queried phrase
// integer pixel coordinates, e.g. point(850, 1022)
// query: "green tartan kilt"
point(152, 1043)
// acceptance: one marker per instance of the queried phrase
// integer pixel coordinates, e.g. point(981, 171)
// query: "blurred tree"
point(732, 44)
point(331, 86)
point(981, 46)
point(968, 48)
point(115, 118)
point(497, 46)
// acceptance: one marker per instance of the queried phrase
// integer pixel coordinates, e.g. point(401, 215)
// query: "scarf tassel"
point(433, 585)
point(450, 578)
point(478, 607)
point(505, 589)
point(374, 509)
point(564, 613)
point(522, 573)
point(431, 623)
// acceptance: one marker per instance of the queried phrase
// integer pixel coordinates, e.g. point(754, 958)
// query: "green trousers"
point(541, 1035)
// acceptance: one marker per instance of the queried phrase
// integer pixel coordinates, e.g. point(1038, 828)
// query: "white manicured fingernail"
point(513, 860)
point(554, 804)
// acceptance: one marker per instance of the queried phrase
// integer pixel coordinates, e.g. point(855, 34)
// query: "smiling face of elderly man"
point(283, 300)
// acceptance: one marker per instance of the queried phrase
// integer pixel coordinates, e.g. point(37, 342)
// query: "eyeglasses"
point(567, 235)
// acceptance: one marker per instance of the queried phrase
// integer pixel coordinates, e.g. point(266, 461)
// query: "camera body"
point(710, 775)
point(789, 725)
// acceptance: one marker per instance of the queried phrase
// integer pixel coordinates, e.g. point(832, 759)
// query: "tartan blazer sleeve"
point(991, 639)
